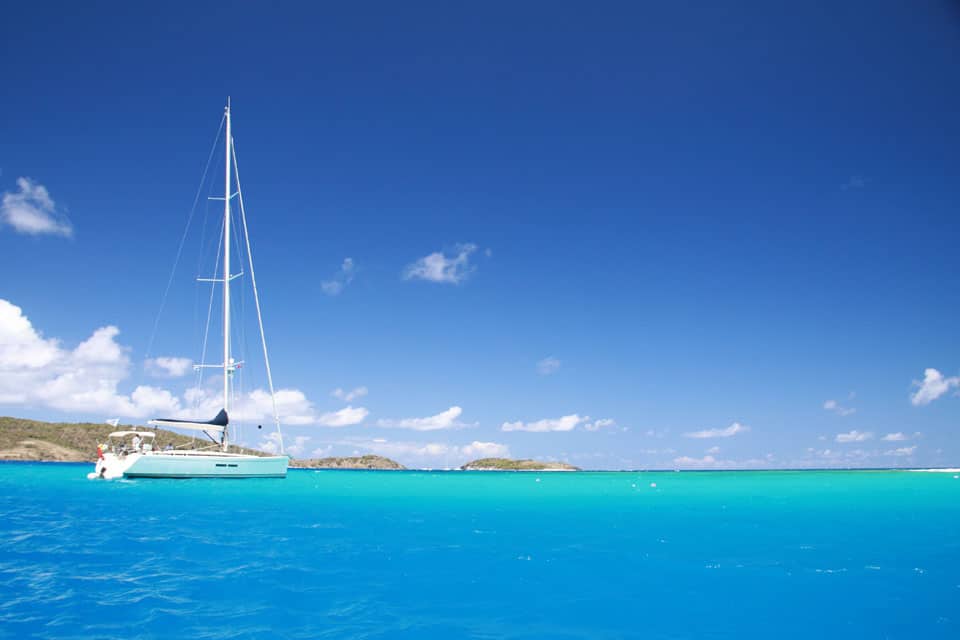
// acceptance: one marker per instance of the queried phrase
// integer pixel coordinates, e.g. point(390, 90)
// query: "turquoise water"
point(343, 554)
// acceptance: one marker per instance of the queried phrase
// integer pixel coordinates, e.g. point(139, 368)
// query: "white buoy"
point(538, 479)
point(653, 485)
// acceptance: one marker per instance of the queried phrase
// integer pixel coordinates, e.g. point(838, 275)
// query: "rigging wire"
point(256, 297)
point(183, 238)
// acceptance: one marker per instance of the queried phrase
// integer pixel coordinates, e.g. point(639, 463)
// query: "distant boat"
point(140, 459)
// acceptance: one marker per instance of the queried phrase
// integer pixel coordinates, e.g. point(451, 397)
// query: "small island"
point(506, 464)
point(358, 462)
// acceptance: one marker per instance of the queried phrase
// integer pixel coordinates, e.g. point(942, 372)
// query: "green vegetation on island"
point(506, 464)
point(358, 462)
point(22, 439)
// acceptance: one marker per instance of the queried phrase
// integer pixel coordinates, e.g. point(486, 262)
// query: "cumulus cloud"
point(293, 446)
point(548, 365)
point(853, 436)
point(293, 408)
point(31, 210)
point(895, 437)
point(39, 371)
point(732, 430)
point(452, 268)
point(564, 423)
point(836, 407)
point(444, 420)
point(933, 385)
point(349, 396)
point(168, 367)
point(340, 279)
point(343, 418)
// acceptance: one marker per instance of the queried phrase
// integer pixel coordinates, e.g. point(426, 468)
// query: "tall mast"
point(226, 272)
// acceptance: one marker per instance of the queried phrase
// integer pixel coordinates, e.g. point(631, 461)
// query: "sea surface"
point(367, 554)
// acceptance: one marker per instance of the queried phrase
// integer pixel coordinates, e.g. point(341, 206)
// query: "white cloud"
point(293, 408)
point(713, 451)
point(837, 458)
point(486, 450)
point(932, 387)
point(322, 452)
point(292, 446)
point(443, 420)
point(21, 347)
point(596, 425)
point(296, 448)
point(548, 365)
point(255, 406)
point(168, 367)
point(31, 210)
point(732, 430)
point(349, 396)
point(687, 461)
point(271, 445)
point(901, 452)
point(344, 417)
point(341, 278)
point(38, 371)
point(895, 437)
point(565, 423)
point(439, 267)
point(833, 405)
point(853, 436)
point(426, 454)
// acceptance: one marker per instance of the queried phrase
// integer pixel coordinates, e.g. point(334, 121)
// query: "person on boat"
point(136, 443)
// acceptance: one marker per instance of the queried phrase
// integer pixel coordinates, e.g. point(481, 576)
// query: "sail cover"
point(218, 424)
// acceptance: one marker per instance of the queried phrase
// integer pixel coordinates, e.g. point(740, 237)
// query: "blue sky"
point(596, 231)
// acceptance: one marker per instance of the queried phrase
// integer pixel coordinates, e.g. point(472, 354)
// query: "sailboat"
point(140, 459)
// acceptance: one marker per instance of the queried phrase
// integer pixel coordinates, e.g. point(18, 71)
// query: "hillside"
point(360, 462)
point(74, 441)
point(506, 464)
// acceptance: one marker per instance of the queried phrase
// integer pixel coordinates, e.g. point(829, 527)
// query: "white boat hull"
point(190, 464)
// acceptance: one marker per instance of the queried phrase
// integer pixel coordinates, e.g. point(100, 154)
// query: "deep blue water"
point(341, 554)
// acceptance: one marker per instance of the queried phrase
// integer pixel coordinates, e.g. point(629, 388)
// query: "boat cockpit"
point(139, 442)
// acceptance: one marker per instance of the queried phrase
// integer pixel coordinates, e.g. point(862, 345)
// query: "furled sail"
point(218, 424)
